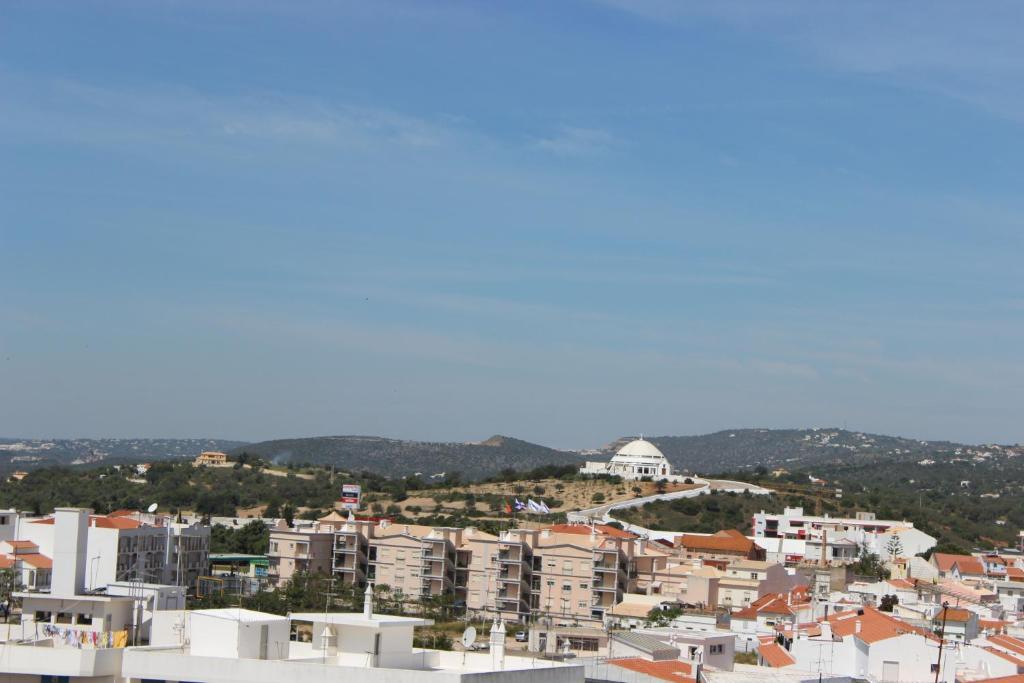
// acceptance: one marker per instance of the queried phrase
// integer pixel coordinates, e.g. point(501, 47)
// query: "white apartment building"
point(127, 546)
point(864, 528)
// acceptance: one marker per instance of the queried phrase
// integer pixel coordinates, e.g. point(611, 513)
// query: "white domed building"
point(637, 459)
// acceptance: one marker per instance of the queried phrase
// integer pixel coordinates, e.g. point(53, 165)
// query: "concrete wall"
point(169, 664)
point(915, 656)
point(40, 660)
point(223, 636)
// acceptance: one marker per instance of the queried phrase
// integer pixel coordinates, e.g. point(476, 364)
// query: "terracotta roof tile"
point(36, 560)
point(1019, 678)
point(728, 541)
point(671, 670)
point(775, 656)
point(103, 522)
point(970, 565)
point(874, 626)
point(954, 614)
point(602, 530)
point(1004, 655)
point(1008, 643)
point(945, 561)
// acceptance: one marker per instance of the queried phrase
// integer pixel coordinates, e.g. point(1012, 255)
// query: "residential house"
point(718, 549)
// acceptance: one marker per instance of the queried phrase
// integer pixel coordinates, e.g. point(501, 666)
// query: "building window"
point(566, 587)
point(567, 567)
point(715, 649)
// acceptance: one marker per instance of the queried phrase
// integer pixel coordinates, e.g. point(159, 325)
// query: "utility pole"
point(942, 639)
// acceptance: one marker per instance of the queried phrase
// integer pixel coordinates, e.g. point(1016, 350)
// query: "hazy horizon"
point(567, 447)
point(562, 222)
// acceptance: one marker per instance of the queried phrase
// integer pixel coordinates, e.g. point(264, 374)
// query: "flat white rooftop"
point(239, 614)
point(357, 619)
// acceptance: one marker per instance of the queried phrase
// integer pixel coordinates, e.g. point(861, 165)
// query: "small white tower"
point(497, 642)
point(368, 602)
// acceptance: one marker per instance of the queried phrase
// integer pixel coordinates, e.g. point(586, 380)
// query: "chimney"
point(856, 626)
point(826, 631)
point(70, 538)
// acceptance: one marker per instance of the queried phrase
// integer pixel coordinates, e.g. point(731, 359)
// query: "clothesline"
point(86, 639)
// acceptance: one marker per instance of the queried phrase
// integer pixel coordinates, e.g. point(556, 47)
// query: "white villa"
point(637, 459)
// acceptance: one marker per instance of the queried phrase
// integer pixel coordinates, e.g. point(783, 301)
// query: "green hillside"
point(397, 458)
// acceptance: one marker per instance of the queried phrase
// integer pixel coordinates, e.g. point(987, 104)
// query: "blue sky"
point(560, 221)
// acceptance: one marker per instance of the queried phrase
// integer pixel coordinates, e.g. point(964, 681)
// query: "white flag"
point(544, 508)
point(532, 506)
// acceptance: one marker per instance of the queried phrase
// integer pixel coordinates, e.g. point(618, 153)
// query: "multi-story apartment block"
point(132, 546)
point(877, 534)
point(304, 549)
point(579, 575)
point(417, 561)
point(569, 573)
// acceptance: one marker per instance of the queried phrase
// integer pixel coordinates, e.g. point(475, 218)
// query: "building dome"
point(639, 448)
point(638, 459)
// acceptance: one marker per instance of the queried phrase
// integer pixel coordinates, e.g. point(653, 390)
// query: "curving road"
point(603, 513)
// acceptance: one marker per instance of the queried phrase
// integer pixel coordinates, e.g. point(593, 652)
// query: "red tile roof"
point(726, 541)
point(1019, 678)
point(36, 560)
point(992, 624)
point(775, 656)
point(103, 522)
point(954, 614)
point(971, 565)
point(1007, 657)
point(671, 670)
point(945, 561)
point(6, 562)
point(602, 529)
point(22, 544)
point(874, 625)
point(1008, 643)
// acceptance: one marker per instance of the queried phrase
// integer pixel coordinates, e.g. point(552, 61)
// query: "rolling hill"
point(28, 454)
point(738, 449)
point(396, 458)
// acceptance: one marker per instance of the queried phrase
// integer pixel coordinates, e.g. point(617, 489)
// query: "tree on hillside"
point(869, 564)
point(888, 602)
point(894, 547)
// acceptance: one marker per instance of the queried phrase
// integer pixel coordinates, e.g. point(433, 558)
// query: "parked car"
point(522, 636)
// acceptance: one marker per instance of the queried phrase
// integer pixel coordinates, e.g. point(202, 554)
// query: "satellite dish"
point(152, 508)
point(468, 637)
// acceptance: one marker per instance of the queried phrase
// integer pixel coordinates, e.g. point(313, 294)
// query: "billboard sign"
point(350, 494)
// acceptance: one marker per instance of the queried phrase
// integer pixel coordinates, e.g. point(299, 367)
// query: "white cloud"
point(162, 115)
point(948, 48)
point(576, 142)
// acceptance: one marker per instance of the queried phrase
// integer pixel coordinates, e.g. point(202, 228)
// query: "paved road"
point(603, 513)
